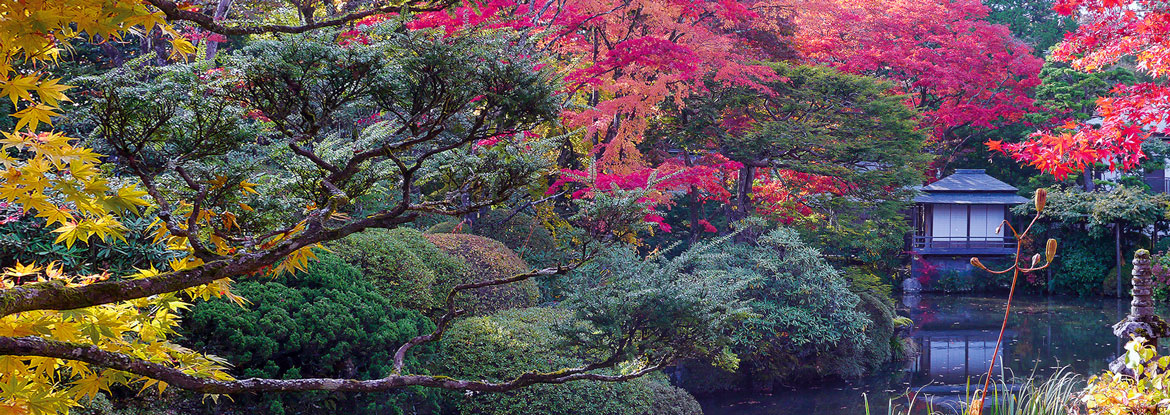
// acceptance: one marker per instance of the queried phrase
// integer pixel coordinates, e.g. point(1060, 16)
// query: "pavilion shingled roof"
point(970, 186)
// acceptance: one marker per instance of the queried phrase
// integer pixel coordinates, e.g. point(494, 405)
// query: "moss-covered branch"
point(36, 346)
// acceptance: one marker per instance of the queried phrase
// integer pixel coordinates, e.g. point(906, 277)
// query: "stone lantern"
point(1141, 321)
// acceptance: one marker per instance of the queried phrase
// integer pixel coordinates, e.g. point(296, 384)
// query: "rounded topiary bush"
point(504, 345)
point(449, 226)
point(412, 272)
point(520, 232)
point(667, 399)
point(486, 259)
point(795, 332)
point(328, 321)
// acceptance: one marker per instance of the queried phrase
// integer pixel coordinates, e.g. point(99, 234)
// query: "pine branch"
point(174, 12)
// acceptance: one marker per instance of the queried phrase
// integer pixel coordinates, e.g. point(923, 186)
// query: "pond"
point(956, 335)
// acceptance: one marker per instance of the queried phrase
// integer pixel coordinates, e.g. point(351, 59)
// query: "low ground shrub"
point(504, 345)
point(144, 404)
point(328, 321)
point(1144, 390)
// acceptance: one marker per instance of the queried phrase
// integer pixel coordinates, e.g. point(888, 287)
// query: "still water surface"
point(956, 335)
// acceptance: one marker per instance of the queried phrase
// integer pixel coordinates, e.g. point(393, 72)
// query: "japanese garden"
point(603, 207)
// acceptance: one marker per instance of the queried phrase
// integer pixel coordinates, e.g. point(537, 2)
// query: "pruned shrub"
point(807, 321)
point(804, 307)
point(521, 232)
point(413, 272)
point(486, 259)
point(504, 345)
point(328, 321)
point(449, 226)
point(666, 399)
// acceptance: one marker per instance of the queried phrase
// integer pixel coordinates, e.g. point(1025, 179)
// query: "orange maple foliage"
point(622, 58)
point(957, 68)
point(1110, 30)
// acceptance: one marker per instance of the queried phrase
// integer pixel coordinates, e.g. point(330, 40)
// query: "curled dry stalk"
point(976, 407)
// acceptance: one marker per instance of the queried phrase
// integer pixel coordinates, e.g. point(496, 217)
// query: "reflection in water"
point(956, 335)
point(955, 356)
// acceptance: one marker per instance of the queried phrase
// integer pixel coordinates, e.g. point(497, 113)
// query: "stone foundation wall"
point(955, 273)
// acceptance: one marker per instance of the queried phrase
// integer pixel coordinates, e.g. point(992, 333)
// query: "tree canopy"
point(823, 148)
point(1112, 32)
point(222, 141)
point(247, 165)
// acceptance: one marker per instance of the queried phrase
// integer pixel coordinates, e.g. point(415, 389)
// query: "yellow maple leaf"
point(70, 233)
point(179, 264)
point(143, 273)
point(296, 261)
point(51, 92)
point(33, 116)
point(217, 182)
point(89, 386)
point(181, 48)
point(106, 226)
point(53, 271)
point(248, 187)
point(20, 270)
point(125, 199)
point(12, 140)
point(18, 87)
point(229, 221)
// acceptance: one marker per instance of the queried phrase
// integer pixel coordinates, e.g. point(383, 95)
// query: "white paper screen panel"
point(950, 221)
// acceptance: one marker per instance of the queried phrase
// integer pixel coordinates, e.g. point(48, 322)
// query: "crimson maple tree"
point(621, 59)
point(622, 62)
point(955, 67)
point(1110, 31)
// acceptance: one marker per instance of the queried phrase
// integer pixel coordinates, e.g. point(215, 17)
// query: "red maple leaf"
point(995, 145)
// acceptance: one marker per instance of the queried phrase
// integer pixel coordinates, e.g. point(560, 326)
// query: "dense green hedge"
point(506, 344)
point(487, 259)
point(329, 321)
